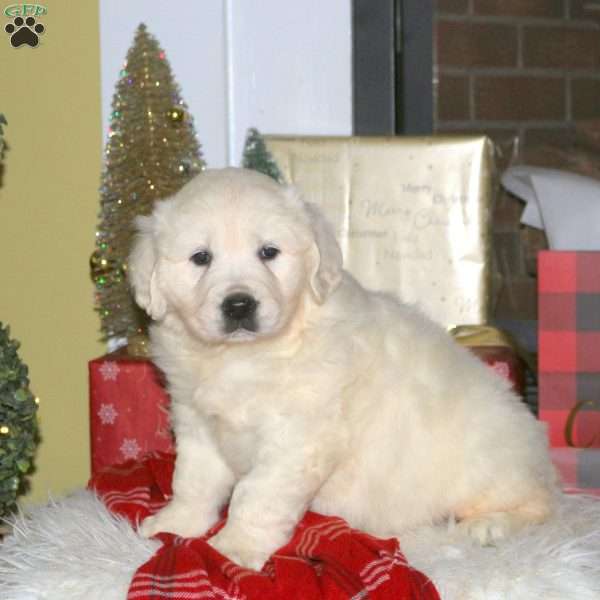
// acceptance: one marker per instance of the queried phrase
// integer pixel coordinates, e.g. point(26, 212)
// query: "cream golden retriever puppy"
point(293, 387)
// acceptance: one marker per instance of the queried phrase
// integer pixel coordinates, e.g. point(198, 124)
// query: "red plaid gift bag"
point(569, 363)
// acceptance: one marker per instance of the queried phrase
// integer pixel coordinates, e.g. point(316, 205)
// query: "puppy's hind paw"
point(489, 528)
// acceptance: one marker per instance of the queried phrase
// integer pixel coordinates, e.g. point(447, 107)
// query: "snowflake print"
point(108, 414)
point(130, 448)
point(109, 370)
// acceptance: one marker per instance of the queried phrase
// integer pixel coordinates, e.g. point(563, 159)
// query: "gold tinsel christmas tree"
point(151, 152)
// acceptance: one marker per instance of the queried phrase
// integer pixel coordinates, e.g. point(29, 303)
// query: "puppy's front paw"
point(181, 519)
point(239, 548)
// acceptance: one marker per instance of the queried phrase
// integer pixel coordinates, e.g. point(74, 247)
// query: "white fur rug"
point(74, 549)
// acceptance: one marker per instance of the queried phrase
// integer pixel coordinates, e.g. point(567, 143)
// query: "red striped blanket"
point(325, 559)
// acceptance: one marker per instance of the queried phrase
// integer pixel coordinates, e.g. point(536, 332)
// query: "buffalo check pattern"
point(325, 559)
point(569, 362)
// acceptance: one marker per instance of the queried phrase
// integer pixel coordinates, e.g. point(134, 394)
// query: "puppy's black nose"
point(239, 306)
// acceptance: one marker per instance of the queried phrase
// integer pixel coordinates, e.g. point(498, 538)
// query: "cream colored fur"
point(344, 400)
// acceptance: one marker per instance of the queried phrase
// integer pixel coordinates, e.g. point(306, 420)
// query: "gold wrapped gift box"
point(411, 214)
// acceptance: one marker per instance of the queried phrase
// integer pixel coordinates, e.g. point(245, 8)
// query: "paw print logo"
point(24, 31)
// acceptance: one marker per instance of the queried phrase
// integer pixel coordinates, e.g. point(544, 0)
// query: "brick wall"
point(526, 73)
point(517, 68)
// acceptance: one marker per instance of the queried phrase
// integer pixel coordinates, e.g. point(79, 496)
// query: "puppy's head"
point(233, 255)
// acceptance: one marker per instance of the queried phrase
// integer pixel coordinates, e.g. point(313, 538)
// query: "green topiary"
point(18, 423)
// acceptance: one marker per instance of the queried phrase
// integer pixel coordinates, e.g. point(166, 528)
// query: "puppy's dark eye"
point(201, 258)
point(268, 252)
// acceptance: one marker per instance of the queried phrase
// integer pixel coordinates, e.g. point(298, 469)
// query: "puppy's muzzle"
point(239, 312)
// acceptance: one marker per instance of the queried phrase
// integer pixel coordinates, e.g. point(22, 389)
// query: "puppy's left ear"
point(142, 270)
point(326, 272)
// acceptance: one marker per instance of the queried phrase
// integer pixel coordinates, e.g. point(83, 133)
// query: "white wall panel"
point(283, 67)
point(192, 35)
point(291, 67)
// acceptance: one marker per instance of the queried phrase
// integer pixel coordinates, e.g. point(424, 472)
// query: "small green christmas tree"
point(18, 423)
point(257, 157)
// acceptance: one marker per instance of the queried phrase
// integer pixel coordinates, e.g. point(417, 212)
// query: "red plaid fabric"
point(325, 559)
point(569, 362)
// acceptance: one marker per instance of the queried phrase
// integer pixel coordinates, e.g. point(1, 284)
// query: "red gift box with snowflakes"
point(128, 409)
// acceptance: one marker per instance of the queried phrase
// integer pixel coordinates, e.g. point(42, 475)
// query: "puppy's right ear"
point(326, 256)
point(142, 270)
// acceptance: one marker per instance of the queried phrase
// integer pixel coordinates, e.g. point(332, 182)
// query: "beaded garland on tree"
point(151, 152)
